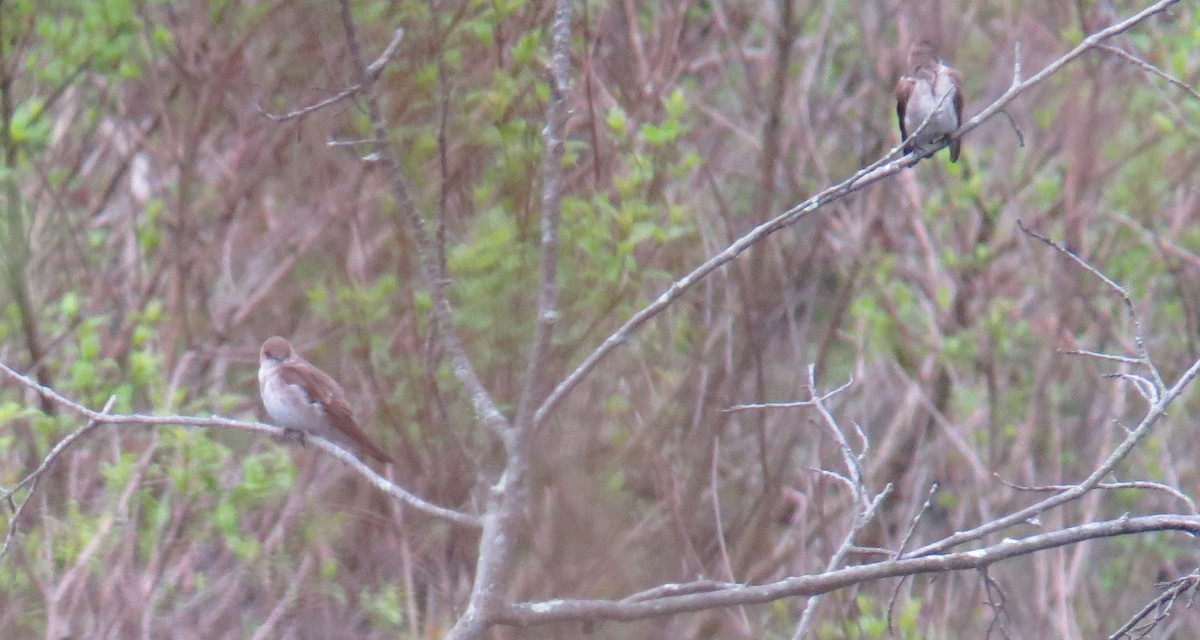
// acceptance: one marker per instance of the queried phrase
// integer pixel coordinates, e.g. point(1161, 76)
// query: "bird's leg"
point(291, 436)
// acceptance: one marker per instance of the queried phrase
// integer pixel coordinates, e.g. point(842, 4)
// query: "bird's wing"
point(323, 390)
point(956, 80)
point(903, 91)
point(343, 420)
point(316, 384)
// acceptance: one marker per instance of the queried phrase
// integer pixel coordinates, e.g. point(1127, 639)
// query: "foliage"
point(157, 228)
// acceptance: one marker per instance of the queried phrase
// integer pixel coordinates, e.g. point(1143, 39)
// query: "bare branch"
point(864, 510)
point(1144, 387)
point(539, 613)
point(553, 147)
point(31, 480)
point(103, 417)
point(861, 519)
point(1138, 336)
point(486, 410)
point(1149, 68)
point(1089, 42)
point(996, 602)
point(1109, 486)
point(912, 528)
point(1156, 411)
point(791, 405)
point(285, 604)
point(373, 71)
point(1104, 356)
point(870, 174)
point(316, 106)
point(1160, 606)
point(722, 550)
point(508, 498)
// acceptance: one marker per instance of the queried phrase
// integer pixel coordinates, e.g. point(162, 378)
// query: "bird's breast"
point(923, 101)
point(289, 406)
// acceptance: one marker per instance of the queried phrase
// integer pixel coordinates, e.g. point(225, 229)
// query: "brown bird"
point(300, 397)
point(930, 87)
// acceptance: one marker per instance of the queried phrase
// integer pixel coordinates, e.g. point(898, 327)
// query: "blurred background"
point(157, 227)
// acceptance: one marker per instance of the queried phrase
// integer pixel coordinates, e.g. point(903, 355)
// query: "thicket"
point(163, 214)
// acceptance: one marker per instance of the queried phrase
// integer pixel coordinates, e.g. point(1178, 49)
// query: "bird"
point(930, 87)
point(301, 398)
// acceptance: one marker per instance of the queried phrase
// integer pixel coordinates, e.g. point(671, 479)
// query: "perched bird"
point(301, 397)
point(930, 87)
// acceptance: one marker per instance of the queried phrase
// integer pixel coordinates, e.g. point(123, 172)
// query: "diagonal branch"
point(871, 174)
point(1093, 41)
point(878, 170)
point(1156, 411)
point(1160, 400)
point(31, 480)
point(373, 71)
point(486, 410)
point(1138, 335)
point(1149, 68)
point(1160, 607)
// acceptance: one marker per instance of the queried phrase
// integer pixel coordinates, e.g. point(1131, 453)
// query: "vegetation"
point(163, 215)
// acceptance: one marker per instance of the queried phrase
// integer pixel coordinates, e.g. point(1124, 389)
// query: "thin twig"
point(722, 550)
point(373, 71)
point(1016, 129)
point(31, 480)
point(996, 600)
point(1160, 606)
point(861, 519)
point(268, 628)
point(1104, 356)
point(912, 526)
point(1149, 68)
point(1153, 414)
point(1138, 336)
point(790, 405)
point(1109, 486)
point(1144, 387)
point(912, 529)
point(864, 510)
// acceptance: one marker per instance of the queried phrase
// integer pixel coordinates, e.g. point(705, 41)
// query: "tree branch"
point(103, 417)
point(553, 147)
point(538, 613)
point(486, 410)
point(508, 499)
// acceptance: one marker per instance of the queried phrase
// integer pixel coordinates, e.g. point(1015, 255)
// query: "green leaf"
point(525, 50)
point(70, 305)
point(617, 121)
point(675, 104)
point(659, 135)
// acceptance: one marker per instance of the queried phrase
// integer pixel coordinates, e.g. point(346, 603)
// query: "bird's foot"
point(291, 436)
